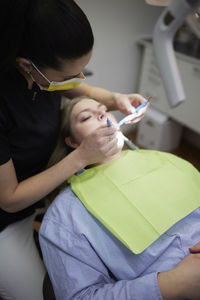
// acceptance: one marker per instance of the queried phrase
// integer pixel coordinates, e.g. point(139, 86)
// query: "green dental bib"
point(139, 195)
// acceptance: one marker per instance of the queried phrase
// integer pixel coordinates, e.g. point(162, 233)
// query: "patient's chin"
point(120, 140)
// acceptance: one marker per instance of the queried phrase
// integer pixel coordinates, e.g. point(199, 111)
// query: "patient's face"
point(86, 116)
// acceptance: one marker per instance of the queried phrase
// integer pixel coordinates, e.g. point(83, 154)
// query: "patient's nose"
point(102, 115)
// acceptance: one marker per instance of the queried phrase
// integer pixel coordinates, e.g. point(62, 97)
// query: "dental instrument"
point(129, 143)
point(109, 123)
point(130, 117)
point(122, 138)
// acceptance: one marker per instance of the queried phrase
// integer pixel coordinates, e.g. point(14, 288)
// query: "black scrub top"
point(29, 125)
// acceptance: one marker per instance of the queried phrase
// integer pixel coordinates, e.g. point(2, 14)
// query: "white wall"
point(117, 24)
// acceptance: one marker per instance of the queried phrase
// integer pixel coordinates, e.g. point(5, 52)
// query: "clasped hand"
point(183, 281)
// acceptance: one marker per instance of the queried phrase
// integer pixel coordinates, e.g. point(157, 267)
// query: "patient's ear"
point(69, 142)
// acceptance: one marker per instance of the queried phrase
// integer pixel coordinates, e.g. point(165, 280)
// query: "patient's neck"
point(109, 158)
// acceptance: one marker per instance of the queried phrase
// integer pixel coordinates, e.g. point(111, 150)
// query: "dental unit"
point(167, 25)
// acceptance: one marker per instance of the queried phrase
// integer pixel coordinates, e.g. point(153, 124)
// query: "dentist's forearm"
point(102, 95)
point(18, 196)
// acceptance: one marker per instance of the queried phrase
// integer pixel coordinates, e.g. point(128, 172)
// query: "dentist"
point(45, 45)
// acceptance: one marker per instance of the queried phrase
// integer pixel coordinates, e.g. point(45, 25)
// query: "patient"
point(85, 259)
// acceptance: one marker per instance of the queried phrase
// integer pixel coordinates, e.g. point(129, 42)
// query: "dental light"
point(168, 23)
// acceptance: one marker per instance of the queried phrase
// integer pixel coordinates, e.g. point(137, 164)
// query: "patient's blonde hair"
point(61, 149)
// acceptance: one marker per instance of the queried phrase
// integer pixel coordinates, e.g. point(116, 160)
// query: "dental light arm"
point(170, 20)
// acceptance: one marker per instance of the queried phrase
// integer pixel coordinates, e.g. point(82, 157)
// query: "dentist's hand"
point(99, 145)
point(128, 103)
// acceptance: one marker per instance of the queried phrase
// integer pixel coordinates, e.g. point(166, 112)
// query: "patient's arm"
point(77, 272)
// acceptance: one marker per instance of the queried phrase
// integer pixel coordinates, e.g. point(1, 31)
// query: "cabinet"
point(150, 84)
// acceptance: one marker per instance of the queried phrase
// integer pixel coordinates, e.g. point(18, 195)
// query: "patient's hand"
point(182, 282)
point(195, 248)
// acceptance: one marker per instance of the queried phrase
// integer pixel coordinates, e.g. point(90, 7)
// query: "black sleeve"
point(5, 154)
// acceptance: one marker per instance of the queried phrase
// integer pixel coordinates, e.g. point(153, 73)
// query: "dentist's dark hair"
point(44, 31)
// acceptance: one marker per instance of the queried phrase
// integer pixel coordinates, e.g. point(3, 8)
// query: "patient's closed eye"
point(85, 118)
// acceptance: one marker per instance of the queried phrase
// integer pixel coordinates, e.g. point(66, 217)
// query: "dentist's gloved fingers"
point(106, 131)
point(138, 116)
point(135, 120)
point(142, 111)
point(98, 145)
point(126, 103)
point(106, 134)
point(111, 147)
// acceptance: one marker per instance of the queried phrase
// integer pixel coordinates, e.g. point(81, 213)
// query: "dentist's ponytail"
point(44, 31)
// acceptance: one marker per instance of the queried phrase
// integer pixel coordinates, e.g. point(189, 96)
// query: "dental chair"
point(48, 292)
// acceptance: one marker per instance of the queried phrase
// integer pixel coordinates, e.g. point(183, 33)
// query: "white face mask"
point(59, 86)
